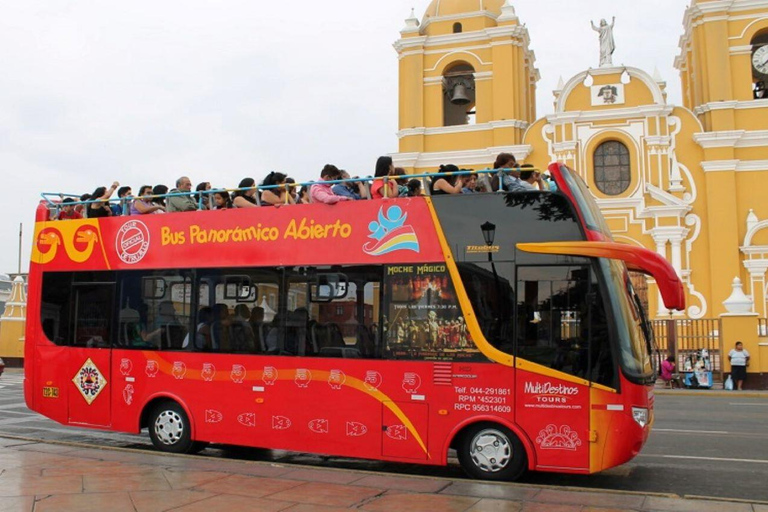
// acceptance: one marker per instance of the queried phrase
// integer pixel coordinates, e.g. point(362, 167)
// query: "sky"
point(142, 92)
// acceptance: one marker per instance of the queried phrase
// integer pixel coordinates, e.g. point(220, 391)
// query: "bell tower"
point(467, 85)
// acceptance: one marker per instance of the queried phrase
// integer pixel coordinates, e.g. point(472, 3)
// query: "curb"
point(712, 393)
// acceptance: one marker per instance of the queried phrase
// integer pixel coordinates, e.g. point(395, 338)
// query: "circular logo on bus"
point(132, 242)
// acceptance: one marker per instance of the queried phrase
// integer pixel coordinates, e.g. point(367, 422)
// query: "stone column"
point(741, 324)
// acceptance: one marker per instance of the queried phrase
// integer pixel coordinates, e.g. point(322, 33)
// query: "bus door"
point(89, 356)
point(551, 379)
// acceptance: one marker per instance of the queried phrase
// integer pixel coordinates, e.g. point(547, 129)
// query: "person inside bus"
point(384, 167)
point(414, 188)
point(447, 185)
point(509, 174)
point(181, 203)
point(272, 339)
point(220, 325)
point(221, 200)
point(302, 197)
point(245, 195)
point(68, 211)
point(143, 204)
point(323, 192)
point(352, 189)
point(206, 198)
point(202, 331)
point(257, 324)
point(276, 196)
point(159, 190)
point(126, 196)
point(101, 208)
point(530, 178)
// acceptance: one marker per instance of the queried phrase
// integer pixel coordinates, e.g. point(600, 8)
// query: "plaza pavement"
point(41, 477)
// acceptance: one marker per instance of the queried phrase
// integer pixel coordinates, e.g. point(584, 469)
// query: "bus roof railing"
point(54, 200)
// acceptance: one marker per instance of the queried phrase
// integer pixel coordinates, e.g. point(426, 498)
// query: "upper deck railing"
point(53, 200)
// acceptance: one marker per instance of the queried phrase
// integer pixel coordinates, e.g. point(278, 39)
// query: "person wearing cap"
point(68, 211)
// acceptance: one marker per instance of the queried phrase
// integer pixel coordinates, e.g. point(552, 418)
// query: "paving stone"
point(483, 490)
point(420, 503)
point(114, 502)
point(254, 486)
point(410, 484)
point(489, 505)
point(321, 475)
point(231, 502)
point(333, 495)
point(160, 501)
point(591, 499)
point(681, 505)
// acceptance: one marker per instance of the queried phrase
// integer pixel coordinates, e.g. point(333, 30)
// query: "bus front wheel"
point(492, 452)
point(170, 429)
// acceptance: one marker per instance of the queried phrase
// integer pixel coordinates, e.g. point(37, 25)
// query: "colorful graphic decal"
point(563, 438)
point(355, 429)
point(126, 366)
point(319, 426)
point(208, 373)
point(238, 373)
point(336, 379)
point(247, 419)
point(390, 233)
point(281, 423)
point(78, 238)
point(397, 432)
point(128, 392)
point(179, 370)
point(269, 375)
point(213, 416)
point(89, 381)
point(152, 369)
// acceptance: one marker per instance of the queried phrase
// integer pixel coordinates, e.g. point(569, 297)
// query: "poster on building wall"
point(423, 318)
point(608, 95)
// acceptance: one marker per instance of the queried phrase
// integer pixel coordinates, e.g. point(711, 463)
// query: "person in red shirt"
point(68, 211)
point(384, 167)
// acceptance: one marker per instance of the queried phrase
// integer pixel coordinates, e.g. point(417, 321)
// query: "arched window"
point(613, 173)
point(457, 28)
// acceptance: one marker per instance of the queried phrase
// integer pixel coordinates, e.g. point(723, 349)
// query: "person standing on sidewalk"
point(739, 359)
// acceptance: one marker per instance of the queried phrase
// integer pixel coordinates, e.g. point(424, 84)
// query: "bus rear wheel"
point(492, 452)
point(170, 429)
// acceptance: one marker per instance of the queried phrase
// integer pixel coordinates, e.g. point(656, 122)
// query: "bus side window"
point(154, 310)
point(55, 311)
point(552, 317)
point(490, 289)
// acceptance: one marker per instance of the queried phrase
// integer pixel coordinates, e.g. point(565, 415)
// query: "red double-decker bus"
point(503, 326)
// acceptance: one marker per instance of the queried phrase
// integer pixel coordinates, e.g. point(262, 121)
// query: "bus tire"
point(170, 429)
point(488, 451)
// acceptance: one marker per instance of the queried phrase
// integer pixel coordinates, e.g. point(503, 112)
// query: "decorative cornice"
point(475, 157)
point(464, 128)
point(732, 139)
point(730, 105)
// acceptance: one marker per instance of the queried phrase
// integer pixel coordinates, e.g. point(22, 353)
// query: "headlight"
point(641, 416)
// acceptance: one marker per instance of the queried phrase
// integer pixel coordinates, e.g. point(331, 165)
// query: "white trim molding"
point(474, 157)
point(463, 128)
point(732, 139)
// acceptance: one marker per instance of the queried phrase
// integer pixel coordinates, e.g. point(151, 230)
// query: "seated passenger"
point(414, 188)
point(353, 190)
point(81, 208)
point(302, 196)
point(143, 204)
point(470, 184)
point(126, 196)
point(202, 331)
point(450, 184)
point(221, 200)
point(530, 177)
point(549, 181)
point(181, 203)
point(68, 211)
point(402, 183)
point(276, 196)
point(509, 174)
point(384, 167)
point(257, 324)
point(322, 192)
point(101, 208)
point(245, 196)
point(159, 190)
point(241, 333)
point(203, 187)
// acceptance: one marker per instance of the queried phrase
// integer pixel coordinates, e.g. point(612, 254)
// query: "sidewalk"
point(39, 477)
point(717, 391)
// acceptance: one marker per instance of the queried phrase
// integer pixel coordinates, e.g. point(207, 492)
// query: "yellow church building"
point(689, 181)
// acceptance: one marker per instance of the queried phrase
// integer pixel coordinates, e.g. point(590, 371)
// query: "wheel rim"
point(491, 450)
point(169, 427)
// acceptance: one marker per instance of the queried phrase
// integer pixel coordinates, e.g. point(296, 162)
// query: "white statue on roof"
point(607, 43)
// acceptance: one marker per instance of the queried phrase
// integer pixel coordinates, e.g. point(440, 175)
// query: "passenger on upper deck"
point(159, 190)
point(530, 177)
point(276, 196)
point(68, 211)
point(143, 204)
point(510, 180)
point(101, 208)
point(221, 200)
point(203, 187)
point(352, 190)
point(125, 194)
point(450, 184)
point(245, 198)
point(384, 167)
point(469, 184)
point(402, 183)
point(414, 188)
point(183, 203)
point(322, 192)
point(302, 197)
